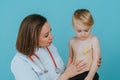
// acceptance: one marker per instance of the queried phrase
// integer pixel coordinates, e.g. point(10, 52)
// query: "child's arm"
point(70, 58)
point(96, 55)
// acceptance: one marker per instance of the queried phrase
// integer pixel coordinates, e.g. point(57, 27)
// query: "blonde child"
point(84, 46)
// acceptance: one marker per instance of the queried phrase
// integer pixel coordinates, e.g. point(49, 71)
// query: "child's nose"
point(83, 33)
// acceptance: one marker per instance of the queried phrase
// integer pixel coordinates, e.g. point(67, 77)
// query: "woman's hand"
point(75, 68)
point(99, 62)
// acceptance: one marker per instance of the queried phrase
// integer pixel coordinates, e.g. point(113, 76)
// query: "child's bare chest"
point(82, 49)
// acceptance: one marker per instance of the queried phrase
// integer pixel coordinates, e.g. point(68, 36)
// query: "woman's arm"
point(22, 70)
point(96, 59)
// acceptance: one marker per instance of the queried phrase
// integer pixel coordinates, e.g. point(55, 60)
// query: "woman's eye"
point(46, 36)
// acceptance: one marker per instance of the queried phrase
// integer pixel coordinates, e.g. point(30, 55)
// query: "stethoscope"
point(42, 67)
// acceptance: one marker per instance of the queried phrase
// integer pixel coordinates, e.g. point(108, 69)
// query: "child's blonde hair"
point(83, 16)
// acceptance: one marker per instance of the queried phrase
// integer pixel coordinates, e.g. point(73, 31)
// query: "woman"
point(37, 58)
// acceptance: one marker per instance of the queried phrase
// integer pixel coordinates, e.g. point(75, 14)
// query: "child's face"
point(82, 31)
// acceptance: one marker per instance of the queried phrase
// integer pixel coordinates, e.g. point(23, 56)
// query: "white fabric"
point(24, 69)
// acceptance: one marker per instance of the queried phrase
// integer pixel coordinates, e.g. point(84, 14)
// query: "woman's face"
point(45, 38)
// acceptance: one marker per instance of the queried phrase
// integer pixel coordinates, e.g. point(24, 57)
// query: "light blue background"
point(106, 14)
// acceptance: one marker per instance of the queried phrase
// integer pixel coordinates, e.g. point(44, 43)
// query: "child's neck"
point(87, 39)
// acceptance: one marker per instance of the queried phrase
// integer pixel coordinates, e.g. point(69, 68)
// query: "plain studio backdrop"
point(106, 15)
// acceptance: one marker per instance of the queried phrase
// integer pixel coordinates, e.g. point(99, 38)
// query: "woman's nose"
point(51, 36)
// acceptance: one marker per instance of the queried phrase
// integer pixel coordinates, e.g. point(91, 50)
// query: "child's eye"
point(79, 31)
point(86, 30)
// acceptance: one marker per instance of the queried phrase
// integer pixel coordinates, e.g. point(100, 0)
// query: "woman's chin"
point(49, 44)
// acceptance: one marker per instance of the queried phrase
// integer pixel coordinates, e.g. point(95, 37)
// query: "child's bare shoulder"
point(72, 40)
point(95, 39)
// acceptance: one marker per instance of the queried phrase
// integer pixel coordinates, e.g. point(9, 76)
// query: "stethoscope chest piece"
point(45, 71)
point(57, 70)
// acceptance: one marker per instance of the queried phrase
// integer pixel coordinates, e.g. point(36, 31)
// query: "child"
point(84, 46)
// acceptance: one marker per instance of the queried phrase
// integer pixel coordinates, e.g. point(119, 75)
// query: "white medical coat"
point(24, 69)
